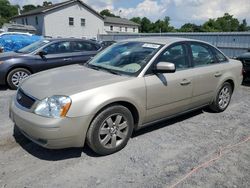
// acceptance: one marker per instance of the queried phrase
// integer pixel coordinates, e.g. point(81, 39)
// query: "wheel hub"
point(113, 130)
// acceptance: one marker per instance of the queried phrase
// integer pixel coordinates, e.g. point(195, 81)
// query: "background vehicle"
point(42, 55)
point(107, 43)
point(130, 85)
point(12, 41)
point(245, 59)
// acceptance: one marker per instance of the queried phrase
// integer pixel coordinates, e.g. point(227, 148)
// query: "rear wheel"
point(223, 98)
point(110, 131)
point(16, 76)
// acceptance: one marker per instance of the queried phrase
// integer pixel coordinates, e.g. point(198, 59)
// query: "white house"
point(120, 25)
point(72, 18)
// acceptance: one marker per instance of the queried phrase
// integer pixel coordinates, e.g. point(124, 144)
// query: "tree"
point(7, 11)
point(136, 20)
point(243, 26)
point(190, 27)
point(210, 26)
point(225, 23)
point(47, 3)
point(145, 25)
point(27, 8)
point(106, 12)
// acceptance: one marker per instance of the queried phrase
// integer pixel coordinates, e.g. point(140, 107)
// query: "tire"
point(110, 130)
point(223, 98)
point(16, 76)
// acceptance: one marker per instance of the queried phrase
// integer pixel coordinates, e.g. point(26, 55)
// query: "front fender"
point(91, 101)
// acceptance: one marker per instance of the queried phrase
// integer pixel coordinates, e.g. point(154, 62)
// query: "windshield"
point(32, 47)
point(126, 57)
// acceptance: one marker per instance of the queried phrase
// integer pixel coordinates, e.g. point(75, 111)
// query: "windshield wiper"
point(95, 67)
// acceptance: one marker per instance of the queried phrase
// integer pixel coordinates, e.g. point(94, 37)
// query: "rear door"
point(82, 51)
point(208, 69)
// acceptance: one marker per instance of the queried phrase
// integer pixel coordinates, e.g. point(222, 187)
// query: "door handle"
point(185, 82)
point(218, 74)
point(67, 59)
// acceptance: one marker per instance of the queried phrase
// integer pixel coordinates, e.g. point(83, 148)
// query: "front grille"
point(24, 100)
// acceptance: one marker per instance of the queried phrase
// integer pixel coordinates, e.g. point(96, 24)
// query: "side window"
point(78, 46)
point(58, 48)
point(202, 55)
point(177, 55)
point(220, 57)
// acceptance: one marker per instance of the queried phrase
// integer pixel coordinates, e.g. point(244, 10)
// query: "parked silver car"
point(129, 85)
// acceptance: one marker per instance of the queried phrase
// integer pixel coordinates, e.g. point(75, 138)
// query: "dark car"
point(245, 59)
point(42, 55)
point(107, 43)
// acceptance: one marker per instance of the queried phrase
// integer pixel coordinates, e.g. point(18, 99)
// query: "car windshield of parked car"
point(32, 47)
point(127, 58)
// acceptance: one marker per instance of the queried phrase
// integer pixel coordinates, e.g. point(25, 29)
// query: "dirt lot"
point(157, 156)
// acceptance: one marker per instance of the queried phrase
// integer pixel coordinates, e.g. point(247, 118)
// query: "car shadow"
point(246, 83)
point(63, 154)
point(172, 121)
point(3, 88)
point(43, 153)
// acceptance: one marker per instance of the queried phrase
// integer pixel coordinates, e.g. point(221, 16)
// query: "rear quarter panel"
point(232, 70)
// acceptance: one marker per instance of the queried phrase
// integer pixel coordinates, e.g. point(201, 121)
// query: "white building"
point(72, 18)
point(120, 25)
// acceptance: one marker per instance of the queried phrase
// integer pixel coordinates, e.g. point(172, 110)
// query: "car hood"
point(8, 55)
point(67, 81)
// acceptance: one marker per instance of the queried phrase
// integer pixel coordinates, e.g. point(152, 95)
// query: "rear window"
point(219, 56)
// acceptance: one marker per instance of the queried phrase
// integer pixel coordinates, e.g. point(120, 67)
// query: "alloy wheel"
point(18, 76)
point(113, 131)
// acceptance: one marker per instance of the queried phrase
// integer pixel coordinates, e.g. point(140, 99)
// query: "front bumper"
point(49, 132)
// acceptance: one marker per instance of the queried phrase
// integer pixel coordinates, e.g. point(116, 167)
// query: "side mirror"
point(165, 67)
point(41, 53)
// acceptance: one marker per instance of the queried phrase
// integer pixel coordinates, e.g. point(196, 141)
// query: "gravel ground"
point(157, 156)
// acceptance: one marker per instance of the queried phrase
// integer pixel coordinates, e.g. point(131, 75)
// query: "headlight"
point(55, 106)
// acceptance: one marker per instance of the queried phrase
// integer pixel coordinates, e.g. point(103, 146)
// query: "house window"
point(126, 29)
point(36, 20)
point(23, 21)
point(111, 28)
point(71, 21)
point(26, 21)
point(83, 22)
point(133, 29)
point(120, 28)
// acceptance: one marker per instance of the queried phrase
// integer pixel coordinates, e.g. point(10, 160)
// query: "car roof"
point(67, 39)
point(161, 40)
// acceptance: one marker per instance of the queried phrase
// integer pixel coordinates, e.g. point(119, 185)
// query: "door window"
point(79, 46)
point(58, 48)
point(202, 55)
point(177, 55)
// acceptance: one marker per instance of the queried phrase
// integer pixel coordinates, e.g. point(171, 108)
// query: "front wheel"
point(110, 131)
point(16, 76)
point(223, 98)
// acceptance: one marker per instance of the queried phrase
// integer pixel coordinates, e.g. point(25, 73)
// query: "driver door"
point(57, 54)
point(170, 93)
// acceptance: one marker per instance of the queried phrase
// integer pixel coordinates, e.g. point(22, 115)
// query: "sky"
point(179, 11)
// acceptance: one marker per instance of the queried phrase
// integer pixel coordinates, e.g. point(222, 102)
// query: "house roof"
point(122, 21)
point(46, 9)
